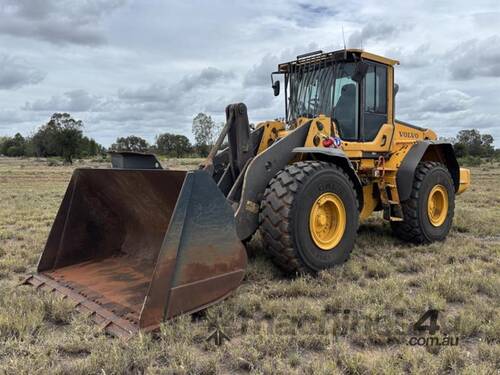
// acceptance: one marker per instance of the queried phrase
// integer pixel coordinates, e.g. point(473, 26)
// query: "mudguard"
point(337, 156)
point(406, 171)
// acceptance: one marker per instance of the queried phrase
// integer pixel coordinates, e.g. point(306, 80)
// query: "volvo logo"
point(408, 134)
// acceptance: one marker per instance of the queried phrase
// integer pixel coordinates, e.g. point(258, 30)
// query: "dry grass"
point(277, 324)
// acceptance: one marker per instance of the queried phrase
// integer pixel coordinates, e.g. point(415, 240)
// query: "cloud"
point(153, 93)
point(260, 74)
point(371, 32)
point(445, 102)
point(429, 101)
point(57, 21)
point(147, 72)
point(16, 73)
point(420, 57)
point(173, 94)
point(11, 116)
point(205, 78)
point(146, 110)
point(308, 9)
point(445, 111)
point(486, 19)
point(476, 58)
point(71, 101)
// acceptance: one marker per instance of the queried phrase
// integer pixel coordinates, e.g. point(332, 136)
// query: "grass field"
point(276, 324)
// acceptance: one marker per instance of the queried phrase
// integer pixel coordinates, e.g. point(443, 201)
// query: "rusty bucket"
point(135, 247)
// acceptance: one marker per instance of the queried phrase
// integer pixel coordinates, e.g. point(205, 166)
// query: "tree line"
point(205, 131)
point(473, 143)
point(62, 136)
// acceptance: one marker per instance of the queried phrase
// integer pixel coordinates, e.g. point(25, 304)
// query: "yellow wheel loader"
point(135, 245)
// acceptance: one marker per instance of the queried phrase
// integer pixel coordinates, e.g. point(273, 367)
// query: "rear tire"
point(288, 206)
point(421, 224)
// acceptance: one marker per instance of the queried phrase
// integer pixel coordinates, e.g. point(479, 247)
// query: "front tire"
point(428, 213)
point(309, 216)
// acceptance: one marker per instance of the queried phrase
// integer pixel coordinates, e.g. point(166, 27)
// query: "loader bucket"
point(135, 247)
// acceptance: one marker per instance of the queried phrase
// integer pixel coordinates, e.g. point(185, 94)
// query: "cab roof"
point(334, 56)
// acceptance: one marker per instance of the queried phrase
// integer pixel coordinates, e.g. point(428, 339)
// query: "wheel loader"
point(135, 245)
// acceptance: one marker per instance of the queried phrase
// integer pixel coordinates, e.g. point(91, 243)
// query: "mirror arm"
point(275, 85)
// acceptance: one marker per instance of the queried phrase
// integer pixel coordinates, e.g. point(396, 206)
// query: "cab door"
point(376, 124)
point(374, 102)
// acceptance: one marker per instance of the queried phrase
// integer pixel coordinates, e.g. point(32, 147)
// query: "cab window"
point(375, 100)
point(345, 102)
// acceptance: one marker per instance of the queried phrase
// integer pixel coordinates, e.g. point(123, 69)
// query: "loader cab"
point(352, 87)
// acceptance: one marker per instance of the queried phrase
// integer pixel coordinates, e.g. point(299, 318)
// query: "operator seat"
point(345, 112)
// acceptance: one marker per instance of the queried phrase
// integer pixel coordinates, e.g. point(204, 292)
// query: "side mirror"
point(276, 88)
point(396, 89)
point(360, 71)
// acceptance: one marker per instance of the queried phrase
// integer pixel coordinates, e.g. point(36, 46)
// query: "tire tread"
point(277, 209)
point(409, 229)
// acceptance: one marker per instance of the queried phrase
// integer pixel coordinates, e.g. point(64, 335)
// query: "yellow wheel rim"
point(327, 221)
point(437, 205)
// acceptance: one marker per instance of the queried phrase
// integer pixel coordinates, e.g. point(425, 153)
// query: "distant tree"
point(29, 148)
point(471, 139)
point(13, 146)
point(69, 136)
point(60, 136)
point(130, 143)
point(94, 148)
point(460, 150)
point(487, 144)
point(474, 143)
point(45, 140)
point(182, 146)
point(3, 140)
point(89, 147)
point(173, 144)
point(165, 143)
point(205, 132)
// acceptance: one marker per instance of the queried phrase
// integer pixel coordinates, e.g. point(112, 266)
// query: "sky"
point(146, 67)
